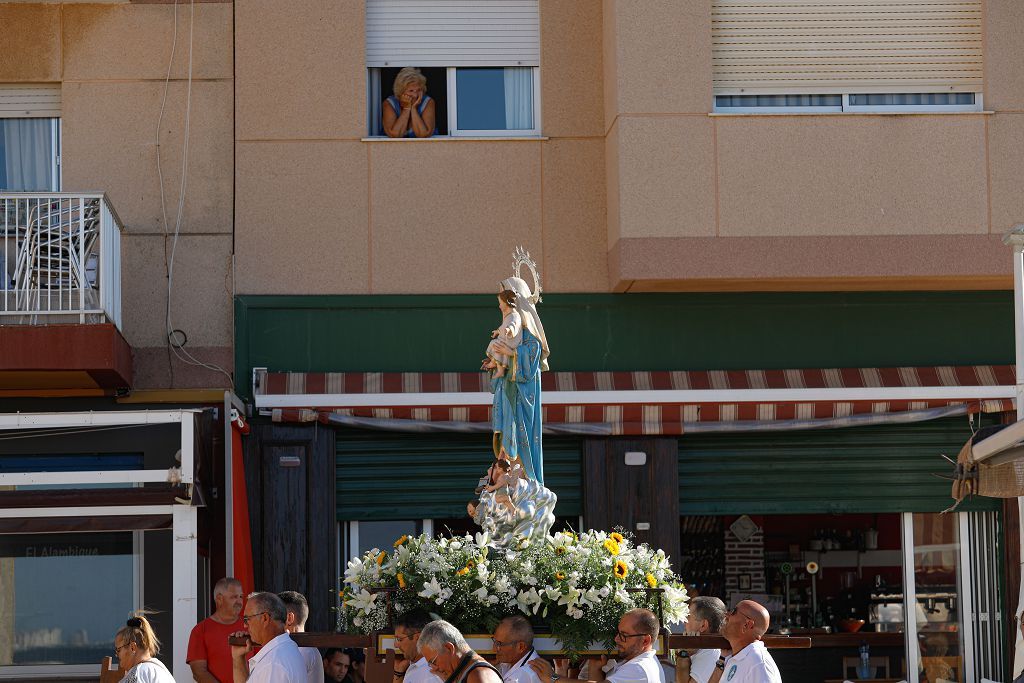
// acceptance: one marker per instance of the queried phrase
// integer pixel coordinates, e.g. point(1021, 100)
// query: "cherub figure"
point(510, 334)
point(502, 477)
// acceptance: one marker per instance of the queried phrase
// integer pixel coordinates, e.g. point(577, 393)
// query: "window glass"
point(937, 577)
point(723, 101)
point(383, 534)
point(27, 155)
point(913, 99)
point(63, 596)
point(494, 98)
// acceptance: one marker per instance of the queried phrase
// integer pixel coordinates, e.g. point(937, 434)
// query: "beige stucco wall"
point(323, 211)
point(635, 185)
point(111, 61)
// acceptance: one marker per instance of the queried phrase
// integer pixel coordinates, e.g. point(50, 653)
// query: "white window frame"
point(847, 108)
point(56, 168)
point(453, 110)
point(452, 107)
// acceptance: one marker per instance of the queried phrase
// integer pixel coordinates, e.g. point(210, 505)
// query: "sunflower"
point(559, 576)
point(611, 546)
point(470, 564)
point(380, 558)
point(621, 570)
point(560, 550)
point(616, 536)
point(402, 540)
point(401, 580)
point(462, 572)
point(651, 581)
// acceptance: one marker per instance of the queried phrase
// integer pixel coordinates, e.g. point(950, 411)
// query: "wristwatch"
point(554, 677)
point(683, 654)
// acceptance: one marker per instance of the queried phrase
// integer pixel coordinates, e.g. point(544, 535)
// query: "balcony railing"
point(60, 259)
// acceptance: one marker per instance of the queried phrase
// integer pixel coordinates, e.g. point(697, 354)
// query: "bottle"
point(864, 666)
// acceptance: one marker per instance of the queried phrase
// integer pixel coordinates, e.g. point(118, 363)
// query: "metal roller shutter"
point(424, 476)
point(452, 33)
point(846, 46)
point(861, 469)
point(28, 101)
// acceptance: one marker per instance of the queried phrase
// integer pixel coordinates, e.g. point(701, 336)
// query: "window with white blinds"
point(846, 46)
point(452, 33)
point(29, 101)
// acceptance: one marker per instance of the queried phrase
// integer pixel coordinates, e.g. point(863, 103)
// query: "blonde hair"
point(138, 631)
point(407, 77)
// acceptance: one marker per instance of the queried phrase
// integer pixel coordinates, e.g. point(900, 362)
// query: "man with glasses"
point(450, 658)
point(413, 667)
point(513, 650)
point(750, 661)
point(635, 637)
point(278, 661)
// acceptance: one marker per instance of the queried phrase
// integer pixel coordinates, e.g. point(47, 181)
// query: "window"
point(63, 597)
point(481, 59)
point(30, 138)
point(884, 56)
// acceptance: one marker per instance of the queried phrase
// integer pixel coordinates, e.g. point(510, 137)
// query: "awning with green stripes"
point(862, 469)
point(386, 475)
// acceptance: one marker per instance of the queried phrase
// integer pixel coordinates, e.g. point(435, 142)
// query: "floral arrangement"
point(575, 586)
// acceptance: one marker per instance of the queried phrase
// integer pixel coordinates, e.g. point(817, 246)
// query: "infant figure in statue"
point(509, 335)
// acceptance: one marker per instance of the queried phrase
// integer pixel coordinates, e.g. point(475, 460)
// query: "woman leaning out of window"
point(409, 113)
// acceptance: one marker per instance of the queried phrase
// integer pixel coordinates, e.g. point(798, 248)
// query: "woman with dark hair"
point(136, 647)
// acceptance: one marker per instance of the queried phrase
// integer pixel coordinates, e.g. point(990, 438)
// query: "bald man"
point(750, 661)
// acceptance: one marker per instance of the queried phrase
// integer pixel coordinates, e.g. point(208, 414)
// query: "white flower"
point(571, 598)
point(431, 589)
point(484, 598)
point(483, 539)
point(575, 613)
point(605, 590)
point(358, 621)
point(503, 585)
point(529, 598)
point(455, 545)
point(363, 601)
point(355, 568)
point(552, 593)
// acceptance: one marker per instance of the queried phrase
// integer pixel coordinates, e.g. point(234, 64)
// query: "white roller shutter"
point(29, 101)
point(846, 46)
point(452, 33)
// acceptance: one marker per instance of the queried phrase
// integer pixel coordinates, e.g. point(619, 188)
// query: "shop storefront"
point(832, 466)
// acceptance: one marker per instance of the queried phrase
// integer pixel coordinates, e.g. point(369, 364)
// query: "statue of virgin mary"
point(516, 417)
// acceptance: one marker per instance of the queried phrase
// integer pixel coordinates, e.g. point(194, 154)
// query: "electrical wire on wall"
point(175, 338)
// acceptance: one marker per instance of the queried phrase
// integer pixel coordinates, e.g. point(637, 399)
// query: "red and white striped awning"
point(649, 402)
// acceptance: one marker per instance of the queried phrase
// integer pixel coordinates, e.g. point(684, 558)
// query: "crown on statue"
point(520, 258)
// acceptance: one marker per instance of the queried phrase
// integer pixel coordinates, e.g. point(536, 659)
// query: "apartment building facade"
point(784, 217)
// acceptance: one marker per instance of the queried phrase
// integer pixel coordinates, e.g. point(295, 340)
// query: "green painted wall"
point(884, 468)
point(628, 331)
point(384, 475)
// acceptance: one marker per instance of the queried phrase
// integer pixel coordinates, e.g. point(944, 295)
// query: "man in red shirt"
point(209, 654)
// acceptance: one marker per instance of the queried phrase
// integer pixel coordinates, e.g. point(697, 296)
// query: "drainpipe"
point(1015, 238)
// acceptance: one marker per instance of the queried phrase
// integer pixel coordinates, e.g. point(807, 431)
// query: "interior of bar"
point(849, 581)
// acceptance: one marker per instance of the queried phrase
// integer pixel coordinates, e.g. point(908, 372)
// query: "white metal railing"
point(60, 258)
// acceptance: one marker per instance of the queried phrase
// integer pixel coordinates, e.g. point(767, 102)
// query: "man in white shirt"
point(278, 661)
point(750, 661)
point(413, 668)
point(513, 650)
point(707, 614)
point(298, 612)
point(638, 630)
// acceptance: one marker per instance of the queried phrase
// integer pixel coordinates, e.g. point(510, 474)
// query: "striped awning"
point(645, 402)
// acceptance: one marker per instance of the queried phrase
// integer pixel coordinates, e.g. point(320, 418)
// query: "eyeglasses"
point(499, 643)
point(736, 610)
point(430, 662)
point(399, 638)
point(245, 620)
point(625, 636)
point(118, 648)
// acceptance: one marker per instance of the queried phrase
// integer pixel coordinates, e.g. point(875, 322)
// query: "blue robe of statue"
point(517, 413)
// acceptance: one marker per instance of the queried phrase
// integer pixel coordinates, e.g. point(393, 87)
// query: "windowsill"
point(461, 138)
point(850, 113)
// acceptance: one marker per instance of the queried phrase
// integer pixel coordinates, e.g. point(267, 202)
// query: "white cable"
point(179, 351)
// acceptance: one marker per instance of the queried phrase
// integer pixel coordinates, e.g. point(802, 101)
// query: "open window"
point(481, 61)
